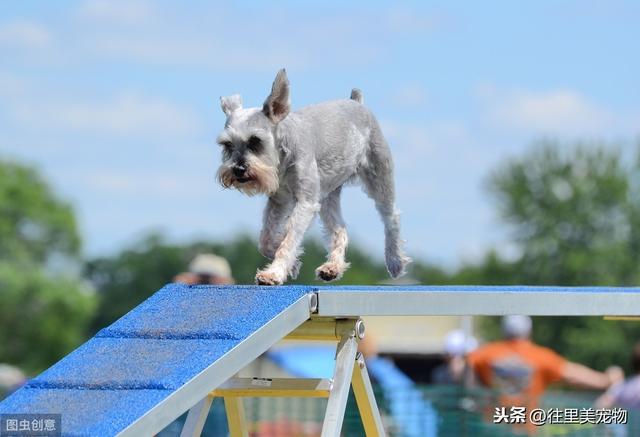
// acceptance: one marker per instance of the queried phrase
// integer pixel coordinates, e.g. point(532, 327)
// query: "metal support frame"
point(196, 418)
point(365, 399)
point(236, 417)
point(350, 369)
point(334, 415)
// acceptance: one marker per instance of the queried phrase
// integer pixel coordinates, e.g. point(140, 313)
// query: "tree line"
point(572, 212)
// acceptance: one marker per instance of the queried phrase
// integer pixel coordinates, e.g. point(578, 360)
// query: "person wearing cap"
point(625, 394)
point(457, 345)
point(11, 378)
point(207, 268)
point(520, 371)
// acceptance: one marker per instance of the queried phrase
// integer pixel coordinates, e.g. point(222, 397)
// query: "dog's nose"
point(239, 170)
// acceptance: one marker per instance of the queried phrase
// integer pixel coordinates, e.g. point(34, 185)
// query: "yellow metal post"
point(365, 399)
point(624, 318)
point(235, 417)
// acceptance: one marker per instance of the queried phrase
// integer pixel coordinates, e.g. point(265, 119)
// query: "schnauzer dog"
point(301, 160)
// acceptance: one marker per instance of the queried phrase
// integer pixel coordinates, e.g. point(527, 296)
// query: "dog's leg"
point(285, 261)
point(274, 219)
point(337, 235)
point(273, 222)
point(377, 180)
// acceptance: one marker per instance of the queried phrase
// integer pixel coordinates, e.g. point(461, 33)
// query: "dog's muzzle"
point(241, 173)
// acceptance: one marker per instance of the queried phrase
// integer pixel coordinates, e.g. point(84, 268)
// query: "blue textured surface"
point(86, 412)
point(205, 312)
point(133, 363)
point(128, 368)
point(478, 288)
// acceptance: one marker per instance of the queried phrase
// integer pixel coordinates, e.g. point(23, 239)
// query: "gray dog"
point(301, 160)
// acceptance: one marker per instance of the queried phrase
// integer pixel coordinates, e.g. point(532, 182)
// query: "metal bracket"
point(313, 303)
point(350, 369)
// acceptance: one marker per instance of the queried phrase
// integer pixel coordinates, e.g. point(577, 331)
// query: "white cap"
point(209, 264)
point(10, 376)
point(516, 326)
point(457, 343)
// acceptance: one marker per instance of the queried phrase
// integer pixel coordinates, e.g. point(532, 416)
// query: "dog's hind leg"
point(377, 179)
point(336, 231)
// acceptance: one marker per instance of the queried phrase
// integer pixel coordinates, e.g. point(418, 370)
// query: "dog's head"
point(250, 156)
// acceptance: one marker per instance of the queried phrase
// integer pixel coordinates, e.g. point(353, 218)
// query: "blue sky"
point(117, 102)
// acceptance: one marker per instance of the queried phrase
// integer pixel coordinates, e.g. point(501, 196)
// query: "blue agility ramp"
point(184, 344)
point(161, 358)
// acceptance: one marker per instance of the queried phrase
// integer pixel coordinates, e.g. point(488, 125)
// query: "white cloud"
point(402, 19)
point(410, 96)
point(415, 142)
point(148, 183)
point(129, 12)
point(412, 138)
point(554, 112)
point(211, 49)
point(268, 37)
point(124, 114)
point(428, 156)
point(24, 34)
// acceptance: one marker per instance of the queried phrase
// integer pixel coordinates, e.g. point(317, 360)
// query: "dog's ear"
point(277, 105)
point(231, 103)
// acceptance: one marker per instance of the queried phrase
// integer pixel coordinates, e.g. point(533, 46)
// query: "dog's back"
point(336, 134)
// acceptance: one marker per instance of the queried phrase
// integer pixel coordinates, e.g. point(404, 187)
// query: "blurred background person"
point(11, 379)
point(520, 371)
point(625, 394)
point(457, 346)
point(207, 268)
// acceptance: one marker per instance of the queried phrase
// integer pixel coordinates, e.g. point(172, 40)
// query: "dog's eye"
point(254, 143)
point(226, 144)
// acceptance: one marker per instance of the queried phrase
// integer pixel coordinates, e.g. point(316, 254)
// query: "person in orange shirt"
point(520, 371)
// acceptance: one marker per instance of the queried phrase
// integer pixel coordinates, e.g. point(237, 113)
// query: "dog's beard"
point(261, 178)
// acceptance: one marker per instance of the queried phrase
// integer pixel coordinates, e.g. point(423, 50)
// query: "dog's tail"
point(356, 95)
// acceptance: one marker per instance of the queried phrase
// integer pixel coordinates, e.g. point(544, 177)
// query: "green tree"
point(574, 215)
point(34, 223)
point(43, 315)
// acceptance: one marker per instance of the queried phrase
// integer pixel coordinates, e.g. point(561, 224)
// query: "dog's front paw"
point(330, 271)
point(269, 277)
